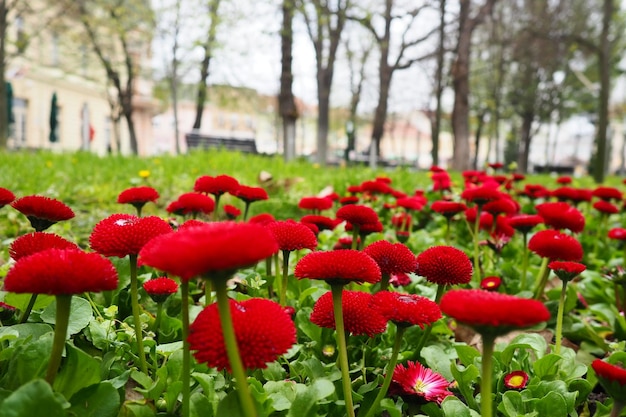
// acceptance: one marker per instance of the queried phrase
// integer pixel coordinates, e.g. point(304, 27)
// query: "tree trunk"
point(460, 80)
point(4, 104)
point(127, 111)
point(526, 134)
point(436, 123)
point(323, 118)
point(205, 64)
point(604, 63)
point(286, 100)
point(477, 135)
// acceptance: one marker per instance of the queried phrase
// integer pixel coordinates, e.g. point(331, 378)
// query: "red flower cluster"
point(480, 195)
point(555, 245)
point(351, 199)
point(262, 218)
point(444, 265)
point(160, 288)
point(31, 243)
point(191, 203)
point(414, 203)
point(250, 194)
point(607, 193)
point(217, 185)
point(124, 234)
point(448, 208)
point(524, 222)
point(322, 222)
point(292, 235)
point(215, 248)
point(138, 196)
point(406, 309)
point(617, 233)
point(605, 207)
point(561, 215)
point(231, 212)
point(263, 330)
point(566, 271)
point(42, 212)
point(61, 271)
point(6, 197)
point(392, 257)
point(493, 312)
point(359, 317)
point(357, 214)
point(535, 191)
point(338, 266)
point(316, 204)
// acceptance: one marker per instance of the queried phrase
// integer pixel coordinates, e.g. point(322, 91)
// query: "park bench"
point(199, 141)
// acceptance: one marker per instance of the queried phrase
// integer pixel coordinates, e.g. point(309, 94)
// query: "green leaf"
point(200, 406)
point(466, 354)
point(79, 371)
point(230, 406)
point(305, 403)
point(31, 399)
point(453, 407)
point(20, 301)
point(512, 404)
point(28, 361)
point(34, 330)
point(274, 372)
point(466, 379)
point(80, 315)
point(547, 366)
point(438, 359)
point(553, 405)
point(99, 400)
point(282, 393)
point(136, 410)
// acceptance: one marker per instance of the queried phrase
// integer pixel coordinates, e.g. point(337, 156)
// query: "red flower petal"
point(555, 245)
point(445, 265)
point(358, 315)
point(292, 235)
point(406, 309)
point(338, 265)
point(392, 257)
point(138, 195)
point(31, 243)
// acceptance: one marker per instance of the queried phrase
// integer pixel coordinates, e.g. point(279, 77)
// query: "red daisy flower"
point(292, 235)
point(312, 226)
point(564, 193)
point(492, 312)
point(495, 165)
point(607, 193)
point(250, 194)
point(617, 233)
point(340, 265)
point(138, 196)
point(358, 315)
point(215, 248)
point(402, 220)
point(357, 214)
point(524, 222)
point(561, 215)
point(417, 380)
point(486, 219)
point(30, 243)
point(503, 205)
point(518, 177)
point(400, 279)
point(555, 245)
point(605, 207)
point(344, 242)
point(376, 187)
point(231, 212)
point(351, 199)
point(6, 197)
point(315, 203)
point(480, 195)
point(61, 272)
point(516, 380)
point(609, 373)
point(191, 223)
point(42, 212)
point(263, 218)
point(564, 179)
point(367, 228)
point(566, 271)
point(414, 203)
point(406, 309)
point(448, 208)
point(535, 191)
point(217, 185)
point(263, 329)
point(441, 181)
point(354, 189)
point(124, 234)
point(582, 195)
point(491, 283)
point(160, 288)
point(322, 222)
point(444, 265)
point(191, 203)
point(392, 257)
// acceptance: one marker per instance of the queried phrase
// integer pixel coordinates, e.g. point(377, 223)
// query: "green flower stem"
point(230, 340)
point(389, 371)
point(446, 238)
point(355, 236)
point(245, 211)
point(215, 215)
point(618, 406)
point(64, 303)
point(524, 278)
point(208, 293)
point(476, 245)
point(624, 254)
point(138, 208)
point(337, 290)
point(29, 308)
point(486, 402)
point(384, 282)
point(186, 372)
point(428, 329)
point(542, 279)
point(134, 299)
point(559, 320)
point(601, 233)
point(283, 285)
point(157, 321)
